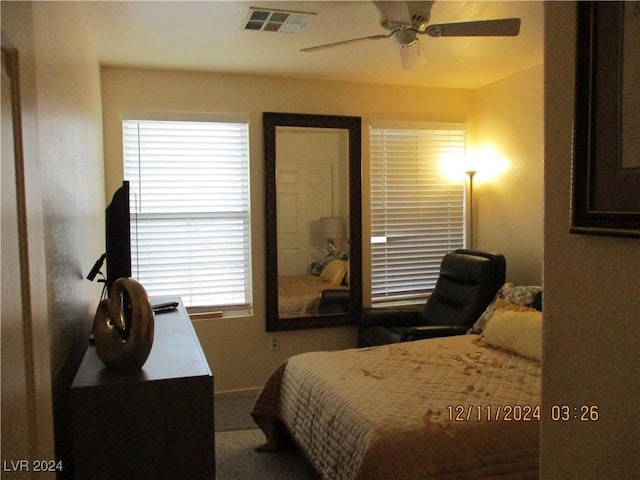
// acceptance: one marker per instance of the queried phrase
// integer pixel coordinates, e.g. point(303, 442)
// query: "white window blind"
point(417, 214)
point(189, 183)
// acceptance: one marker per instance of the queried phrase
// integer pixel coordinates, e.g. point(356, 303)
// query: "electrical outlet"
point(274, 344)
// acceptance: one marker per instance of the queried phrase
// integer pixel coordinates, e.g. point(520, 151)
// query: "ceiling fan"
point(406, 20)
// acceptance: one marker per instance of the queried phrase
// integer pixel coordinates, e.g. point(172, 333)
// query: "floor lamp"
point(471, 174)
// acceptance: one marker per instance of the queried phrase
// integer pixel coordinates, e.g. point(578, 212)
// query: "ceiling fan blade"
point(420, 13)
point(344, 42)
point(394, 12)
point(413, 56)
point(504, 27)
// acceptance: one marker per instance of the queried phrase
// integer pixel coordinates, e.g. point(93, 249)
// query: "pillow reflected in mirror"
point(334, 272)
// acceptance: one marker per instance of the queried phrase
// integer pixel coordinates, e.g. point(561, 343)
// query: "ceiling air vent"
point(276, 20)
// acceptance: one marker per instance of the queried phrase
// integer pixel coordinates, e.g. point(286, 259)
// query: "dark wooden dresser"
point(155, 423)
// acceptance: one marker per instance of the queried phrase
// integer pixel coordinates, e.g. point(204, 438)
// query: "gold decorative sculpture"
point(123, 326)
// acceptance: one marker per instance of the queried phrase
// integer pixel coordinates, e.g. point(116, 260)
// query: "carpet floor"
point(236, 459)
point(233, 410)
point(237, 437)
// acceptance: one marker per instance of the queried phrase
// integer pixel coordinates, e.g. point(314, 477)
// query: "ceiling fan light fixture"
point(405, 37)
point(413, 56)
point(270, 20)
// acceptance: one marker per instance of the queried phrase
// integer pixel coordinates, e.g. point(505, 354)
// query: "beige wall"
point(508, 204)
point(72, 170)
point(592, 303)
point(238, 348)
point(27, 423)
point(65, 188)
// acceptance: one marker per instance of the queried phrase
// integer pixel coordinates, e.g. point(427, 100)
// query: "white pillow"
point(518, 332)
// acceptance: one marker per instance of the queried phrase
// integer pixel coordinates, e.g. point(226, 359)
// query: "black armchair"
point(334, 300)
point(468, 282)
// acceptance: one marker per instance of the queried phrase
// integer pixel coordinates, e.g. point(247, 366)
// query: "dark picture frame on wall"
point(606, 143)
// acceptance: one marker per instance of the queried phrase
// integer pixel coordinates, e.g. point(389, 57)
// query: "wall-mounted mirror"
point(313, 220)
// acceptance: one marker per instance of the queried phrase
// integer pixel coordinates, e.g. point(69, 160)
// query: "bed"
point(300, 295)
point(457, 407)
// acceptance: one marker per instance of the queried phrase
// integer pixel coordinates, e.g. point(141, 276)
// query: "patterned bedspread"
point(446, 408)
point(300, 294)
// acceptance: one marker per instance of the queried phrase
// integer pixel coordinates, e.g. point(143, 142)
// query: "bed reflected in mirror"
point(312, 171)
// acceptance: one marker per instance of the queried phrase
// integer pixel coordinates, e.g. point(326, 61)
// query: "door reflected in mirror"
point(312, 168)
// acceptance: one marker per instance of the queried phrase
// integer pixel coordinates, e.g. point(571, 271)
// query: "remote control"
point(165, 307)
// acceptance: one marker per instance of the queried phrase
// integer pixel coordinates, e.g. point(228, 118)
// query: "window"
point(417, 213)
point(189, 183)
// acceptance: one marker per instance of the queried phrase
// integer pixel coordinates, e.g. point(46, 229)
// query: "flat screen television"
point(117, 237)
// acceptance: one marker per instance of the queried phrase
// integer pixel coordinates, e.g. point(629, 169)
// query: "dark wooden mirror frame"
point(598, 169)
point(272, 120)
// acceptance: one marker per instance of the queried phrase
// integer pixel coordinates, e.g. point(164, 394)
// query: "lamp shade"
point(331, 227)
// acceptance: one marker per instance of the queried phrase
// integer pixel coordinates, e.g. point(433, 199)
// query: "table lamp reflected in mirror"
point(332, 229)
